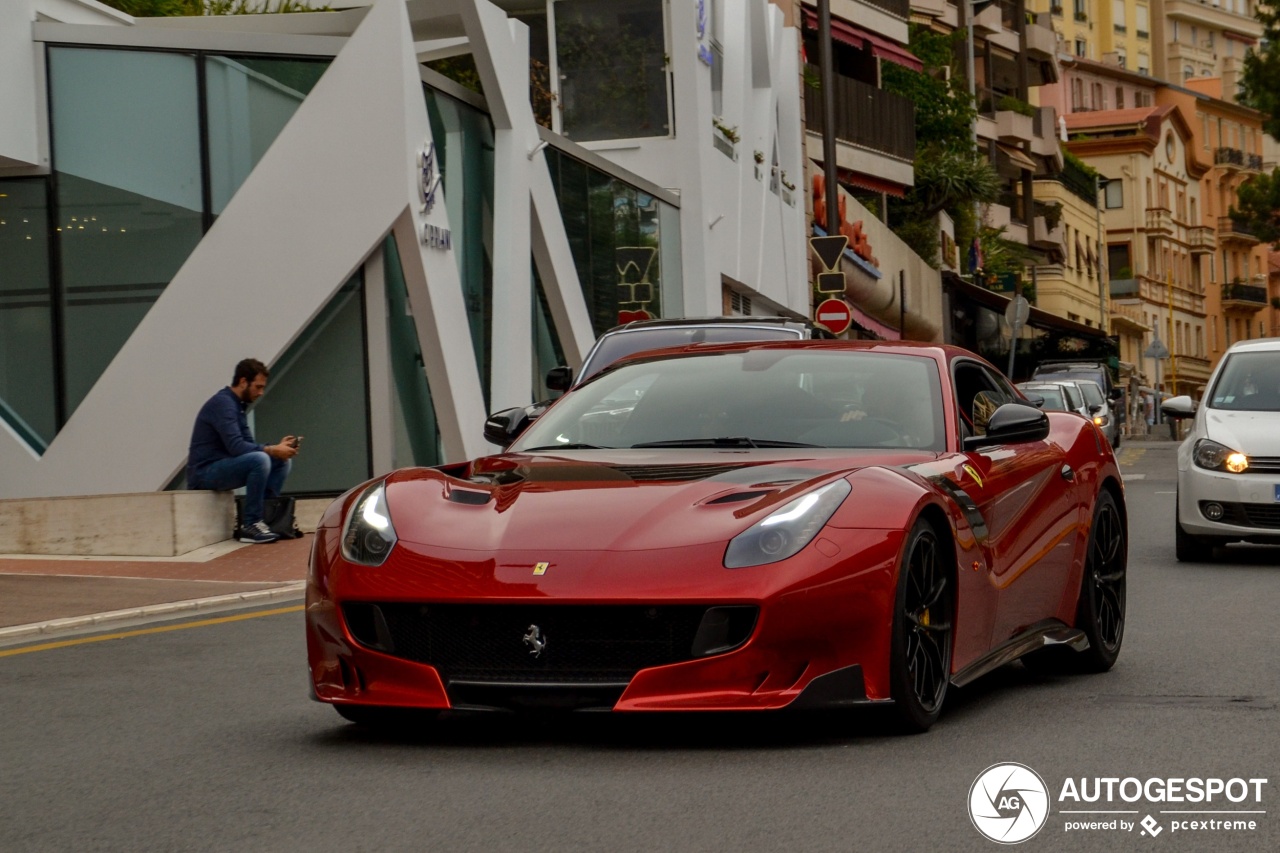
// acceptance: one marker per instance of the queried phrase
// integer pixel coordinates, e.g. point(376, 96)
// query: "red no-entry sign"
point(835, 315)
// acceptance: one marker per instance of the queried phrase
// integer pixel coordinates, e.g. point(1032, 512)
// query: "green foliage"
point(1011, 104)
point(460, 69)
point(1259, 206)
point(196, 8)
point(1088, 170)
point(1260, 82)
point(944, 110)
point(1000, 255)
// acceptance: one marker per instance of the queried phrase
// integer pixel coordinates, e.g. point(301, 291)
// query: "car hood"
point(627, 500)
point(1252, 433)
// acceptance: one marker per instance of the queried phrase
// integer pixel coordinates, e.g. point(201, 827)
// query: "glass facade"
point(148, 148)
point(27, 374)
point(416, 439)
point(464, 150)
point(319, 389)
point(618, 242)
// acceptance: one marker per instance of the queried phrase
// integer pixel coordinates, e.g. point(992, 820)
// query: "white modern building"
point(405, 251)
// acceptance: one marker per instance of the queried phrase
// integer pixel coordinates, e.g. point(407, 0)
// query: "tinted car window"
point(1053, 398)
point(813, 398)
point(616, 346)
point(1092, 393)
point(1249, 382)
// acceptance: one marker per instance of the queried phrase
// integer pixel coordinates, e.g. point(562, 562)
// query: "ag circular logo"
point(1008, 803)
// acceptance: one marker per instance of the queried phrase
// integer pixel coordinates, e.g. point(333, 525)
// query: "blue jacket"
point(221, 431)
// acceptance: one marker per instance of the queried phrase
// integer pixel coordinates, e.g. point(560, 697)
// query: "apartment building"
point(1154, 232)
point(1227, 138)
point(1119, 30)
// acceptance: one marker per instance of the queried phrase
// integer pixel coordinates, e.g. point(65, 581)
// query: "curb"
point(195, 605)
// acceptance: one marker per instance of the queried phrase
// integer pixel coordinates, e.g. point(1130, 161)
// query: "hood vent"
point(466, 496)
point(738, 497)
point(672, 473)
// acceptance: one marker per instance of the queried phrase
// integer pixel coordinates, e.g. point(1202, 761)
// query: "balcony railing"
point(1229, 229)
point(1228, 157)
point(867, 116)
point(1159, 219)
point(1253, 162)
point(897, 8)
point(1202, 239)
point(1078, 182)
point(1124, 287)
point(1236, 291)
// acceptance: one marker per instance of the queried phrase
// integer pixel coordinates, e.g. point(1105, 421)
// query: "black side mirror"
point(1035, 400)
point(1116, 394)
point(504, 427)
point(1095, 408)
point(1012, 423)
point(559, 378)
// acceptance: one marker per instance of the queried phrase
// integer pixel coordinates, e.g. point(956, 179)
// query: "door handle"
point(1068, 474)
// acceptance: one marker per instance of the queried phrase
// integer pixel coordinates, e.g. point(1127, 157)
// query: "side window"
point(979, 392)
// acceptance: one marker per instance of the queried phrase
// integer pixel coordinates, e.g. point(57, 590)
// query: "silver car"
point(1096, 406)
point(1229, 465)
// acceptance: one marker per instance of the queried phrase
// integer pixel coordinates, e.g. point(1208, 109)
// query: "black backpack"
point(278, 515)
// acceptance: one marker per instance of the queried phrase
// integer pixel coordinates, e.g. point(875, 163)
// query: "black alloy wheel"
point(920, 653)
point(1101, 612)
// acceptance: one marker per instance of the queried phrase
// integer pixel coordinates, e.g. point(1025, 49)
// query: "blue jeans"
point(261, 475)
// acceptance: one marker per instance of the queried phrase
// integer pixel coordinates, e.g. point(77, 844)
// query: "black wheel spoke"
point(926, 617)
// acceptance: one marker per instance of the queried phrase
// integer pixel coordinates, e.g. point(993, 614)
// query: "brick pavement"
point(37, 590)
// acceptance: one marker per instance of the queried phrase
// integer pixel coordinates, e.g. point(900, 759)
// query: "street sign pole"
point(1016, 315)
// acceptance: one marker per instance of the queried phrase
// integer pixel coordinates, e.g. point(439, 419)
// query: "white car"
point(1229, 466)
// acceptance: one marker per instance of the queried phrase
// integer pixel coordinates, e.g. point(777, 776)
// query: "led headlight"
point(1101, 420)
point(1219, 457)
point(787, 530)
point(369, 535)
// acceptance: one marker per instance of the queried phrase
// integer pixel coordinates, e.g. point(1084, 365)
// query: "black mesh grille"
point(584, 644)
point(673, 473)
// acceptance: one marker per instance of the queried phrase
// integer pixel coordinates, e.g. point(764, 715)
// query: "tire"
point(381, 718)
point(1103, 589)
point(922, 641)
point(1191, 549)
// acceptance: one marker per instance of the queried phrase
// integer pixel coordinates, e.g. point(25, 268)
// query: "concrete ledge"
point(147, 524)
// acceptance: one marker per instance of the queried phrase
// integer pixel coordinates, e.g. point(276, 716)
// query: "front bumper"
point(820, 634)
point(1250, 508)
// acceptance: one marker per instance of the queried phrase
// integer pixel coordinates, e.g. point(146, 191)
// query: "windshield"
point(1249, 382)
point(622, 344)
point(758, 398)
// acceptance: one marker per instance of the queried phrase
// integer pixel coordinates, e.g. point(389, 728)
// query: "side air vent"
point(466, 496)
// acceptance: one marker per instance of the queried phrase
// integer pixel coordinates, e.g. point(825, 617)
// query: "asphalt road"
point(203, 738)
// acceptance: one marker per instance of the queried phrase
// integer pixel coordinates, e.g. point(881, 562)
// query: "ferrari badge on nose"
point(540, 568)
point(535, 640)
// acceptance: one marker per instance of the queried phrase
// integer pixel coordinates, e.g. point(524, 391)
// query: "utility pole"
point(826, 75)
point(1104, 322)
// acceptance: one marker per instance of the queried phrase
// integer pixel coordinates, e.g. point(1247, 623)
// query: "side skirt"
point(1050, 632)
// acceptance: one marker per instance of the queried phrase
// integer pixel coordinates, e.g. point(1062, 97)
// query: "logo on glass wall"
point(704, 52)
point(428, 178)
point(635, 291)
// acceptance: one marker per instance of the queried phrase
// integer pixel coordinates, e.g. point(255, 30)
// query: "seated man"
point(224, 454)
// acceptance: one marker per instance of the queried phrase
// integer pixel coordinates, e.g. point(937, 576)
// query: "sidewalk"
point(35, 591)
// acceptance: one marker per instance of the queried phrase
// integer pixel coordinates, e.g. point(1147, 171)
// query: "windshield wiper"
point(725, 441)
point(567, 447)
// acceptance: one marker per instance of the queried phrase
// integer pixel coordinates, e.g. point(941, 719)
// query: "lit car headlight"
point(1101, 420)
point(369, 535)
point(1219, 457)
point(785, 531)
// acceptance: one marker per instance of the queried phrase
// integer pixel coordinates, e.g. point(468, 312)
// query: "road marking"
point(121, 635)
point(1135, 476)
point(1166, 493)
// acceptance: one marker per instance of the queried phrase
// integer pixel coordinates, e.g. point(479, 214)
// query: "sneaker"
point(256, 534)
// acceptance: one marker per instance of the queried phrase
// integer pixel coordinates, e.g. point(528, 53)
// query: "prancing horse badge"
point(540, 568)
